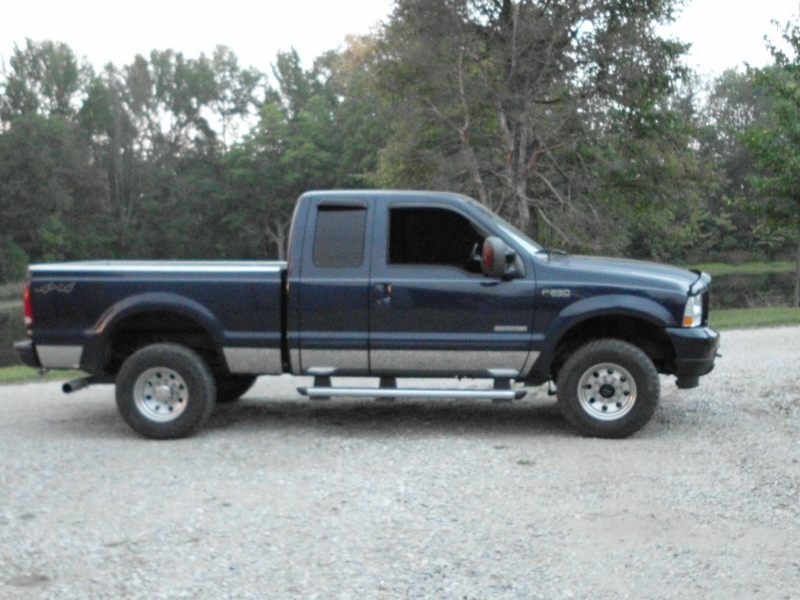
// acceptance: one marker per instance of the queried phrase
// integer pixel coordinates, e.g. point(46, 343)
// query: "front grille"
point(706, 302)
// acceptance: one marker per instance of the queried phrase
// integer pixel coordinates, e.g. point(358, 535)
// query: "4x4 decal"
point(63, 288)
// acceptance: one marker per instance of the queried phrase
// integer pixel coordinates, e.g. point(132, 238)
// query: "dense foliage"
point(174, 157)
point(574, 119)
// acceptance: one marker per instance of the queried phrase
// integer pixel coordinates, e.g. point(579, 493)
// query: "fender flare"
point(94, 355)
point(612, 305)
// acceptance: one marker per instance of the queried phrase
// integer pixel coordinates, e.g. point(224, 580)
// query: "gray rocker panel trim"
point(455, 361)
point(344, 360)
point(60, 357)
point(254, 360)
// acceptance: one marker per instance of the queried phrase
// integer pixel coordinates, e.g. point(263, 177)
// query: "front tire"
point(608, 388)
point(165, 391)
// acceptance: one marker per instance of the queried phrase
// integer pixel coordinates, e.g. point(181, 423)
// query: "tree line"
point(573, 119)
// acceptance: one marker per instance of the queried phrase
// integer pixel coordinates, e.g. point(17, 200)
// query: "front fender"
point(619, 304)
point(612, 305)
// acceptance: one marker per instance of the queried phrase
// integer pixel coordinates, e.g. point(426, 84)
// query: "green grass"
point(27, 375)
point(756, 268)
point(9, 304)
point(749, 318)
point(11, 291)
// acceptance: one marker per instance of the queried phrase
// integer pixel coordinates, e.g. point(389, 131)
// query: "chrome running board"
point(325, 392)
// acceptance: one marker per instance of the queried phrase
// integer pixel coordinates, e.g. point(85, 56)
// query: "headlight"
point(693, 313)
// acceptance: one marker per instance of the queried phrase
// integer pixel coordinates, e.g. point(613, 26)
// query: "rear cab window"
point(339, 236)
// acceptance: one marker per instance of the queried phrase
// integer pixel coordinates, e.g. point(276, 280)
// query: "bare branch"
point(552, 188)
point(461, 90)
point(471, 159)
point(438, 113)
point(550, 224)
point(276, 231)
point(555, 162)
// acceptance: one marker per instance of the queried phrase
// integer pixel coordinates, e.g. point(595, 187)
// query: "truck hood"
point(625, 272)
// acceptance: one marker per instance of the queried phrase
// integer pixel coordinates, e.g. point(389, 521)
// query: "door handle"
point(382, 292)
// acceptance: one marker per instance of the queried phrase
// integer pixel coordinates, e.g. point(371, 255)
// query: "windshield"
point(512, 232)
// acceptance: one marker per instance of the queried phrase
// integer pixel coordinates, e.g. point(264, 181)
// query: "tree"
point(506, 99)
point(287, 152)
point(362, 114)
point(159, 128)
point(44, 78)
point(234, 99)
point(319, 129)
point(732, 104)
point(646, 174)
point(50, 193)
point(776, 143)
point(50, 190)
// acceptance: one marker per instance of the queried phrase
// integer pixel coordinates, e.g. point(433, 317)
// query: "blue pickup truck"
point(383, 284)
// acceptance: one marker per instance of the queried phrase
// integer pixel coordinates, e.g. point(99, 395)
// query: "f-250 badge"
point(557, 293)
point(62, 288)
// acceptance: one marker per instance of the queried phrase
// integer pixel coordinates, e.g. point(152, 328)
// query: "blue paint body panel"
point(375, 317)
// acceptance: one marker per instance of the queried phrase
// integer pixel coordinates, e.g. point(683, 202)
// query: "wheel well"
point(142, 329)
point(650, 338)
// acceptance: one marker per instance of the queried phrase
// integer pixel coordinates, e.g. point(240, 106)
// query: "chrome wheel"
point(607, 392)
point(608, 388)
point(165, 391)
point(160, 394)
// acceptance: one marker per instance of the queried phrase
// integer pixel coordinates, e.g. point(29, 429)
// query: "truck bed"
point(76, 303)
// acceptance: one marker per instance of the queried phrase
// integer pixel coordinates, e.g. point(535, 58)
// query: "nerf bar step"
point(494, 394)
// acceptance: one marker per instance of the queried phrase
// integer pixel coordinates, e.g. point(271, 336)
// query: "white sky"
point(726, 34)
point(109, 30)
point(723, 34)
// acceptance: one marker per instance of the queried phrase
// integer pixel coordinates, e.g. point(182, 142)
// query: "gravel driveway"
point(279, 497)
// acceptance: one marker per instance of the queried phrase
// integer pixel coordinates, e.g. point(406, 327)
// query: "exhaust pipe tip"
point(77, 384)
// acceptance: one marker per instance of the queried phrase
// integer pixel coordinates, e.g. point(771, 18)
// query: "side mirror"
point(497, 257)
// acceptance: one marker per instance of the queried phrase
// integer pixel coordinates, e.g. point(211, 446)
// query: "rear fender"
point(98, 338)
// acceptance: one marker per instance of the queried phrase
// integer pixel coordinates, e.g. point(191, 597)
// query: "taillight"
point(26, 298)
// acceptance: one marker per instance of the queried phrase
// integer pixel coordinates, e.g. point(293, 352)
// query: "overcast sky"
point(727, 34)
point(723, 34)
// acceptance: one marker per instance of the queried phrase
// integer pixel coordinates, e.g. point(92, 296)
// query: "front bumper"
point(695, 352)
point(26, 352)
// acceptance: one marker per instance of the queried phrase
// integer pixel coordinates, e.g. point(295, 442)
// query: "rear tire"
point(165, 391)
point(232, 387)
point(608, 388)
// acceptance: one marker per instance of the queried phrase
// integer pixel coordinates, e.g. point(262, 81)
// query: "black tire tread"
point(194, 370)
point(626, 355)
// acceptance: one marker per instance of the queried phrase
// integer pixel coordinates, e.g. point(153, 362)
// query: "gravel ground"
point(279, 497)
